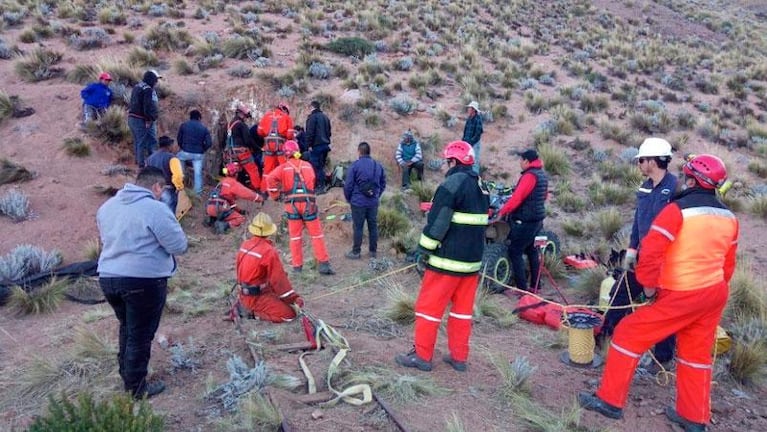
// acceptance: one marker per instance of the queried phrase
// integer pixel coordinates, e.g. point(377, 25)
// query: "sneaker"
point(591, 402)
point(681, 421)
point(324, 269)
point(352, 255)
point(457, 365)
point(298, 269)
point(149, 389)
point(412, 360)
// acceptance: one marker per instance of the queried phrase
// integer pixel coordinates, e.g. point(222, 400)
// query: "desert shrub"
point(758, 168)
point(602, 193)
point(748, 296)
point(514, 375)
point(209, 61)
point(392, 223)
point(120, 412)
point(404, 64)
point(758, 206)
point(748, 357)
point(38, 66)
point(15, 205)
point(11, 172)
point(6, 106)
point(402, 389)
point(167, 37)
point(143, 57)
point(240, 47)
point(556, 162)
point(486, 305)
point(319, 70)
point(76, 147)
point(403, 104)
point(28, 36)
point(89, 38)
point(424, 191)
point(14, 17)
point(351, 46)
point(399, 305)
point(240, 71)
point(82, 74)
point(595, 103)
point(112, 15)
point(183, 67)
point(41, 300)
point(7, 52)
point(112, 126)
point(574, 227)
point(614, 131)
point(25, 260)
point(609, 222)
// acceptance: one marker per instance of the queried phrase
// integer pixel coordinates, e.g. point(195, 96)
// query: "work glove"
point(630, 260)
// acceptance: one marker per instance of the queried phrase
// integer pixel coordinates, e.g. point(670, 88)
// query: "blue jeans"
point(475, 167)
point(144, 138)
point(90, 112)
point(197, 161)
point(138, 305)
point(360, 215)
point(170, 197)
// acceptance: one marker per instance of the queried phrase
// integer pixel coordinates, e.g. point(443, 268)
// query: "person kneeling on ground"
point(221, 209)
point(264, 287)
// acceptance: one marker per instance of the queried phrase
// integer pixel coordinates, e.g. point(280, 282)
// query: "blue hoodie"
point(139, 235)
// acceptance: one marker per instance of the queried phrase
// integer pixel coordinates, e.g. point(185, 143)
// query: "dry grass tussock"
point(391, 385)
point(11, 172)
point(486, 305)
point(42, 300)
point(400, 304)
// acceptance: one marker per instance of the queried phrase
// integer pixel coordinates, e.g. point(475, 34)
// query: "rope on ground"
point(359, 284)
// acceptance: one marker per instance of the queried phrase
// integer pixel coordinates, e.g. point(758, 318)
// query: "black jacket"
point(533, 208)
point(193, 137)
point(455, 229)
point(318, 131)
point(241, 135)
point(143, 102)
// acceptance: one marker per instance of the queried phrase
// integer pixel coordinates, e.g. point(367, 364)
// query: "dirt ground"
point(64, 204)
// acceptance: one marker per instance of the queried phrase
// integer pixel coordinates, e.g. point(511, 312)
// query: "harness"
point(220, 205)
point(274, 141)
point(247, 289)
point(300, 193)
point(235, 153)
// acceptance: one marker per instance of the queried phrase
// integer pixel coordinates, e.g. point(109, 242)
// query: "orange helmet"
point(231, 169)
point(284, 106)
point(461, 151)
point(708, 170)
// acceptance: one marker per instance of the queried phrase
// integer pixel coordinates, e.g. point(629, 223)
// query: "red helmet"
point(284, 106)
point(708, 170)
point(231, 169)
point(105, 76)
point(291, 148)
point(461, 151)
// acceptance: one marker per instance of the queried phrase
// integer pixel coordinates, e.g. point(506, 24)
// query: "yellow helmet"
point(262, 225)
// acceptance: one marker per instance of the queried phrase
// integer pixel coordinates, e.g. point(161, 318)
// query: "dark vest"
point(533, 208)
point(161, 160)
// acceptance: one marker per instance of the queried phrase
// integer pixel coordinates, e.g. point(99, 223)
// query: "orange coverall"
point(689, 254)
point(230, 190)
point(258, 265)
point(275, 127)
point(242, 154)
point(300, 207)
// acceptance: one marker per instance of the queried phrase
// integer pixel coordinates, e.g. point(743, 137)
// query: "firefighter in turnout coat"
point(689, 256)
point(454, 240)
point(222, 204)
point(264, 288)
point(294, 182)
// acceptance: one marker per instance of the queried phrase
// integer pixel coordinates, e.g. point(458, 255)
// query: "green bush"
point(76, 147)
point(555, 161)
point(141, 57)
point(351, 46)
point(392, 223)
point(112, 126)
point(85, 414)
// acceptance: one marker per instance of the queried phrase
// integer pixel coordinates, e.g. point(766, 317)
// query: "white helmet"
point(652, 147)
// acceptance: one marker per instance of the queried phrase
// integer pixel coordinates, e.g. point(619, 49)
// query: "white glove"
point(630, 260)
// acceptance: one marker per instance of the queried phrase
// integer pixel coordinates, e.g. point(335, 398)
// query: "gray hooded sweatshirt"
point(139, 235)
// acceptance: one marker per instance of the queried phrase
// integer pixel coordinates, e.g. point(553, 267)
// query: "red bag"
point(531, 309)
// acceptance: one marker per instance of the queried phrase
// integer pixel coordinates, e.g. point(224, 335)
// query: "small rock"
point(163, 341)
point(317, 414)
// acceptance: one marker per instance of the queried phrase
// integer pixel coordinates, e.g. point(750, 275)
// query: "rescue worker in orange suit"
point(294, 181)
point(222, 208)
point(454, 240)
point(264, 288)
point(275, 127)
point(689, 255)
point(242, 148)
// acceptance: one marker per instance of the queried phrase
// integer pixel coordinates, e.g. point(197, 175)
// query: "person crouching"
point(264, 287)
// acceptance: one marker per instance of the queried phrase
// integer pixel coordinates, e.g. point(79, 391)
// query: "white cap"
point(652, 147)
point(475, 105)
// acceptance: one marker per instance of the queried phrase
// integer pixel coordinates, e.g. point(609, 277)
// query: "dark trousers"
point(318, 159)
point(521, 240)
point(360, 215)
point(625, 290)
point(138, 304)
point(406, 170)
